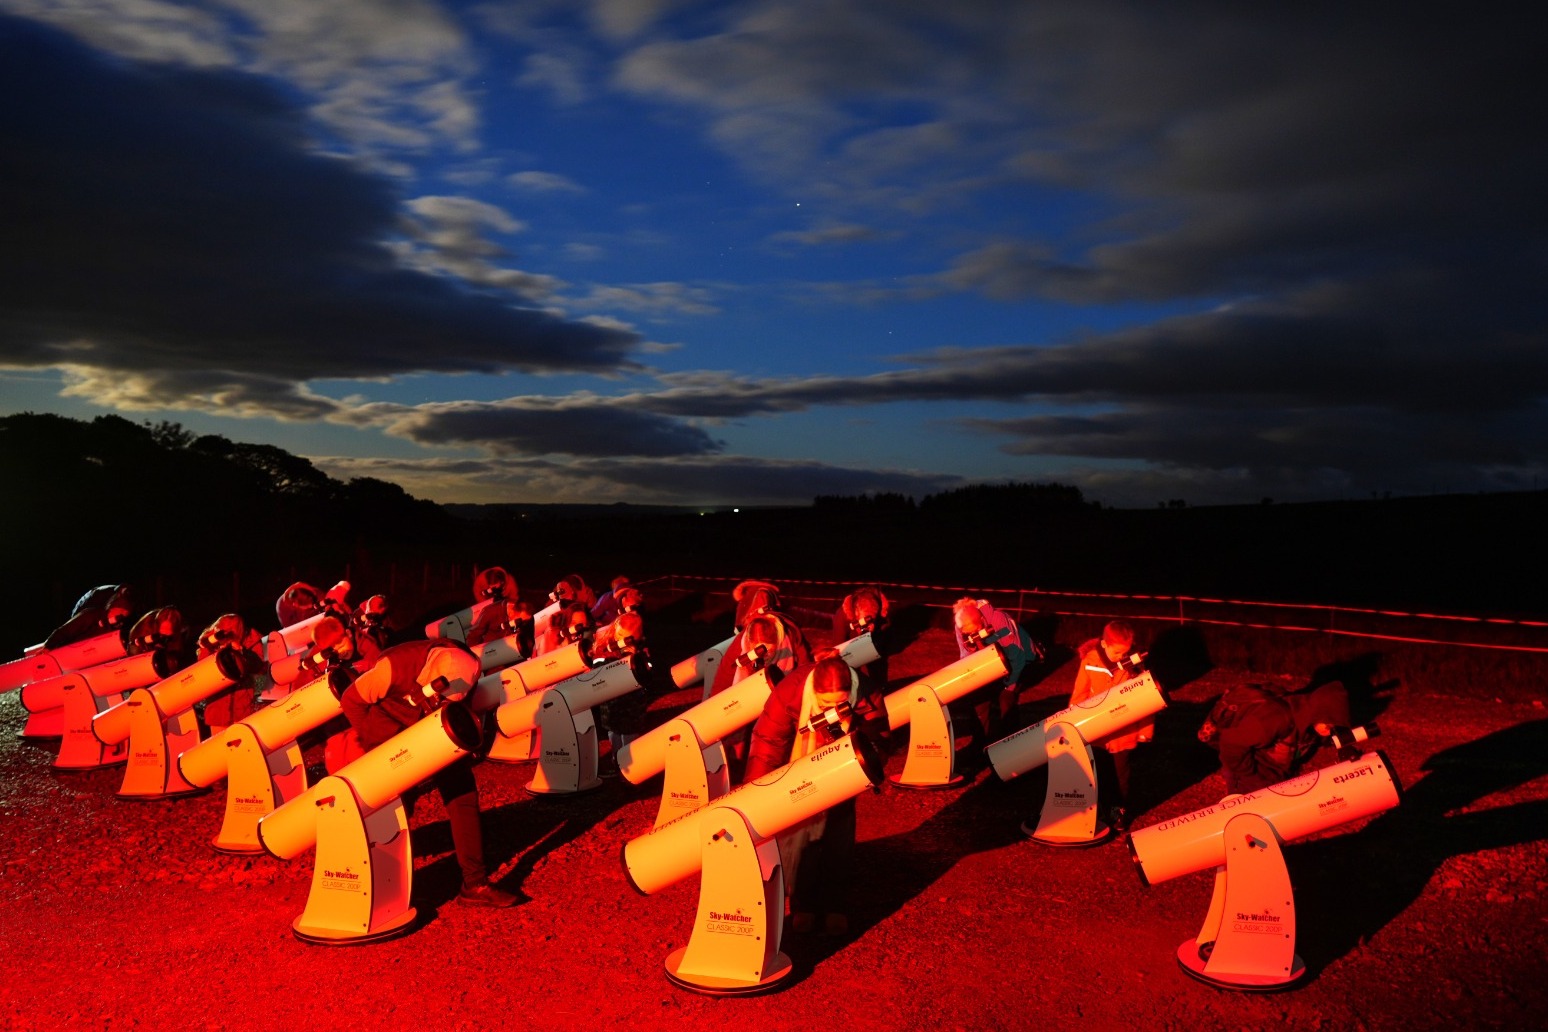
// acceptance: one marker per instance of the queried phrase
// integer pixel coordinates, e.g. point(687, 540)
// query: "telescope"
point(159, 724)
point(701, 668)
point(730, 843)
point(568, 734)
point(543, 617)
point(38, 662)
point(1247, 941)
point(1062, 742)
point(81, 694)
point(261, 761)
point(932, 748)
point(689, 749)
point(499, 653)
point(515, 682)
point(457, 625)
point(287, 653)
point(363, 870)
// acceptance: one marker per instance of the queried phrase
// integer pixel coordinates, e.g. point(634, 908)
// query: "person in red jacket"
point(817, 855)
point(1104, 662)
point(389, 695)
point(236, 702)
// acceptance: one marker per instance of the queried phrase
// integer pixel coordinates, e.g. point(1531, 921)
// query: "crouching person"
point(402, 685)
point(817, 854)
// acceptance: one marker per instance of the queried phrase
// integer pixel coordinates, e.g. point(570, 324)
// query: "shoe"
point(485, 895)
point(802, 923)
point(1118, 817)
point(835, 924)
point(607, 767)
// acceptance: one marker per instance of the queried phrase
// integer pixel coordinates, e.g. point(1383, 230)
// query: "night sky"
point(754, 252)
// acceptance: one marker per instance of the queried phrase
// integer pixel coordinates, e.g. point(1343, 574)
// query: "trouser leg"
point(459, 792)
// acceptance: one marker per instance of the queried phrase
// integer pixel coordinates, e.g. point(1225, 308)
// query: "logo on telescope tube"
point(1177, 822)
point(1333, 805)
point(1360, 773)
point(399, 758)
point(801, 791)
point(822, 754)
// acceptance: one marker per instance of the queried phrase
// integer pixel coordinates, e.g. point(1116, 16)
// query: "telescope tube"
point(802, 788)
point(1301, 806)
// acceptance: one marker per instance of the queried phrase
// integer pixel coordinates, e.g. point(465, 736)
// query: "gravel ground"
point(118, 914)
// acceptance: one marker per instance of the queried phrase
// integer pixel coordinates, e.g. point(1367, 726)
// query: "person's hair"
point(830, 675)
point(963, 606)
point(761, 630)
point(1118, 632)
point(328, 632)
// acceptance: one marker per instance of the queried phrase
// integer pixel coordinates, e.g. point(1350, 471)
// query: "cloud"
point(386, 74)
point(652, 299)
point(828, 234)
point(702, 480)
point(585, 425)
point(291, 283)
point(544, 182)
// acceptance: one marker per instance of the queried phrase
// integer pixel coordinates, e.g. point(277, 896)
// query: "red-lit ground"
point(119, 915)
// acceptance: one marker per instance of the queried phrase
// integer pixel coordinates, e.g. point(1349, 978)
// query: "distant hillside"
point(111, 500)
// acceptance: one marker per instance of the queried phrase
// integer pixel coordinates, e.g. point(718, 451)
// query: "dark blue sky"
point(663, 251)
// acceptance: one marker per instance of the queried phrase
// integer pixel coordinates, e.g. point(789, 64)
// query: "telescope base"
point(43, 726)
point(955, 781)
point(143, 797)
point(546, 789)
point(401, 925)
point(1102, 836)
point(709, 985)
point(85, 768)
point(1193, 958)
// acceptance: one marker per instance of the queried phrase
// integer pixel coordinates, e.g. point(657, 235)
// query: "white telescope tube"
point(120, 675)
point(701, 667)
point(950, 682)
point(712, 720)
point(1304, 805)
point(276, 724)
point(288, 640)
point(1095, 718)
point(859, 650)
point(378, 777)
point(78, 655)
point(530, 676)
point(173, 694)
point(803, 788)
point(580, 693)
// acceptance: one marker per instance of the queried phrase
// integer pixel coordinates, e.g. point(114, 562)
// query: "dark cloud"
point(179, 220)
point(718, 479)
point(541, 427)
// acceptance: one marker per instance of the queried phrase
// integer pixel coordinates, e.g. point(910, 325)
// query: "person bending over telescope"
point(979, 624)
point(404, 684)
point(239, 699)
point(864, 611)
point(1104, 662)
point(102, 609)
point(1265, 737)
point(799, 718)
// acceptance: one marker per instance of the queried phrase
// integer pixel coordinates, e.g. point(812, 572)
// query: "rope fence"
point(1356, 621)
